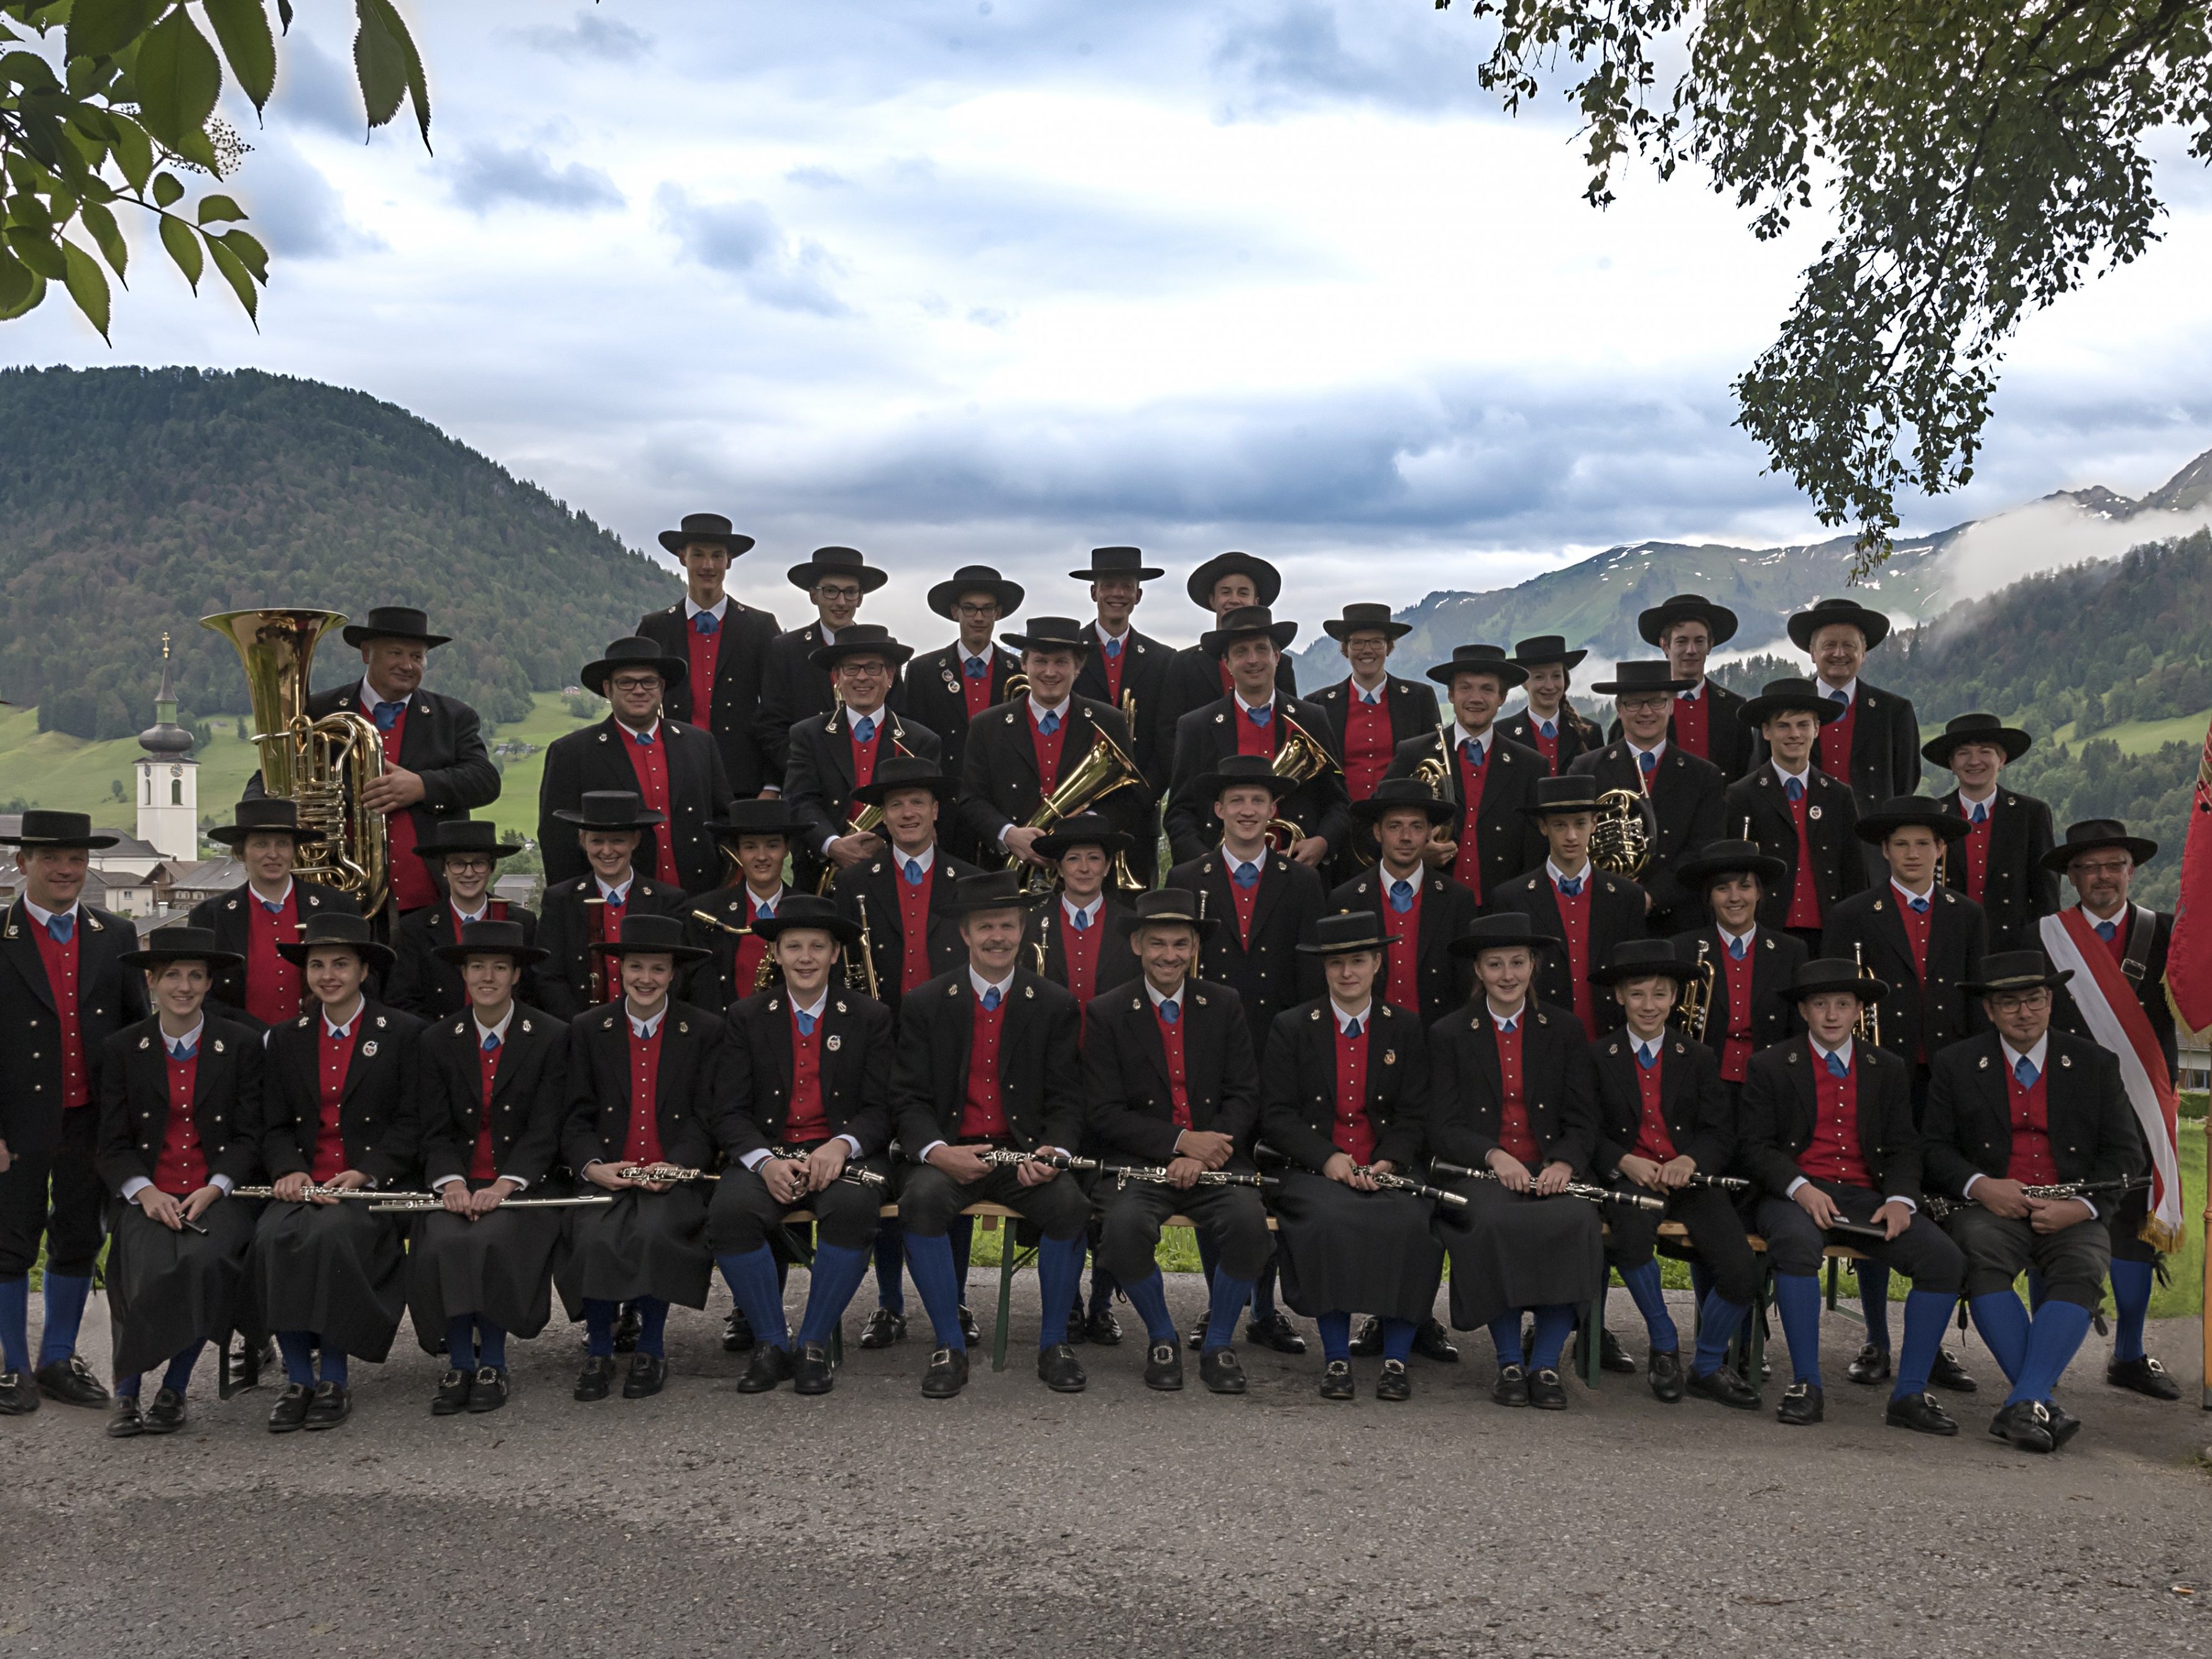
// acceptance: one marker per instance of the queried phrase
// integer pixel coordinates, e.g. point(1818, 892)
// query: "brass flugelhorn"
point(1696, 1008)
point(1622, 836)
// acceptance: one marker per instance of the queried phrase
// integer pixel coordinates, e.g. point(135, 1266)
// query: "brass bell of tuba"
point(1298, 757)
point(1105, 768)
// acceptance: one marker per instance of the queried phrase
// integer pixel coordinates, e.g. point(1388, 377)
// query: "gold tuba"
point(1696, 1007)
point(1300, 757)
point(323, 767)
point(1108, 767)
point(1622, 837)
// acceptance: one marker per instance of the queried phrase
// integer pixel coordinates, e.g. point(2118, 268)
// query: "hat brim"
point(360, 634)
point(1079, 645)
point(1877, 827)
point(803, 576)
point(234, 835)
point(523, 955)
point(1757, 711)
point(1474, 945)
point(1867, 988)
point(376, 955)
point(1208, 787)
point(1216, 642)
point(1334, 948)
point(1372, 810)
point(1564, 658)
point(151, 957)
point(1341, 630)
point(945, 595)
point(673, 671)
point(648, 819)
point(772, 927)
point(1680, 972)
point(1054, 845)
point(498, 849)
point(1560, 808)
point(829, 656)
point(2142, 851)
point(1509, 673)
point(1130, 922)
point(680, 952)
point(1938, 750)
point(2049, 981)
point(1266, 580)
point(1143, 573)
point(1805, 623)
point(872, 794)
point(83, 843)
point(1694, 874)
point(722, 829)
point(675, 541)
point(1618, 689)
point(1652, 624)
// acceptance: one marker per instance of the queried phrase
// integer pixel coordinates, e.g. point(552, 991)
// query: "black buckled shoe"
point(1612, 1357)
point(738, 1333)
point(2064, 1425)
point(770, 1365)
point(628, 1328)
point(1079, 1328)
point(947, 1374)
point(1367, 1340)
point(1511, 1388)
point(648, 1374)
point(332, 1405)
point(453, 1396)
point(1432, 1341)
point(1221, 1370)
point(1724, 1387)
point(1196, 1340)
point(1396, 1383)
point(1946, 1372)
point(71, 1382)
point(1275, 1331)
point(812, 1370)
point(1665, 1372)
point(290, 1411)
point(596, 1378)
point(1336, 1380)
point(1920, 1414)
point(1059, 1369)
point(1802, 1404)
point(488, 1393)
point(1102, 1327)
point(1546, 1392)
point(970, 1332)
point(1164, 1367)
point(884, 1328)
point(1872, 1366)
point(19, 1394)
point(2144, 1376)
point(123, 1420)
point(165, 1416)
point(2024, 1425)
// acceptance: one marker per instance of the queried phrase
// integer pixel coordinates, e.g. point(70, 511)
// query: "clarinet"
point(1157, 1175)
point(874, 1180)
point(1941, 1208)
point(1390, 1183)
point(1581, 1189)
point(1006, 1157)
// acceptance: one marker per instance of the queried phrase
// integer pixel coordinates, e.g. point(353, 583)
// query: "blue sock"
point(890, 1268)
point(1149, 1297)
point(1650, 1299)
point(1798, 1301)
point(962, 1235)
point(127, 1388)
point(652, 1328)
point(751, 1279)
point(65, 1295)
point(930, 1261)
point(1335, 1336)
point(1059, 1276)
point(179, 1376)
point(14, 1324)
point(1873, 1301)
point(1927, 1316)
point(2003, 1325)
point(334, 1369)
point(837, 1271)
point(1398, 1339)
point(491, 1344)
point(1506, 1337)
point(461, 1342)
point(298, 1348)
point(1555, 1322)
point(1718, 1321)
point(600, 1328)
point(2131, 1285)
point(2051, 1340)
point(1229, 1296)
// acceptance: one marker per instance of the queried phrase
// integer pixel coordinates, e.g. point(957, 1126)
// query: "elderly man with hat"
point(1750, 963)
point(1708, 719)
point(1547, 722)
point(724, 645)
point(1423, 909)
point(178, 1120)
point(2017, 1107)
point(755, 837)
point(2000, 864)
point(1828, 1136)
point(465, 854)
point(1684, 793)
point(1797, 813)
point(2115, 950)
point(1371, 711)
point(1487, 778)
point(267, 909)
point(675, 768)
point(65, 988)
point(833, 755)
point(1590, 912)
point(793, 686)
point(1124, 667)
point(1197, 676)
point(1873, 743)
point(947, 690)
point(584, 912)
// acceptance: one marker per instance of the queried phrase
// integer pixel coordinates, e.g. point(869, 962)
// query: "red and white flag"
point(2189, 954)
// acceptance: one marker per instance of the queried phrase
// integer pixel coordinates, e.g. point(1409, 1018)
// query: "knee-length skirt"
point(1346, 1251)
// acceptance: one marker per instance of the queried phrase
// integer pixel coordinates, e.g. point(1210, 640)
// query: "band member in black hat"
point(1129, 670)
point(1257, 718)
point(834, 755)
point(340, 1110)
point(640, 1093)
point(180, 1112)
point(1020, 752)
point(494, 1082)
point(1663, 1120)
point(465, 853)
point(1487, 778)
point(1424, 910)
point(1074, 932)
point(1873, 745)
point(1708, 719)
point(724, 643)
point(1372, 711)
point(793, 686)
point(947, 690)
point(675, 768)
point(1196, 676)
point(1512, 1091)
point(1797, 813)
point(802, 1102)
point(1589, 911)
point(1548, 723)
point(65, 989)
point(1751, 962)
point(1685, 793)
point(269, 909)
point(755, 837)
point(987, 1059)
point(2020, 1107)
point(2000, 864)
point(584, 912)
point(1827, 1133)
point(2117, 951)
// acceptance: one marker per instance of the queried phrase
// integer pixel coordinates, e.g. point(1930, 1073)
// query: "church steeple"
point(169, 777)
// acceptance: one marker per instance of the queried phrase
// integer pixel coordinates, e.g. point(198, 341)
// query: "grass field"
point(2145, 737)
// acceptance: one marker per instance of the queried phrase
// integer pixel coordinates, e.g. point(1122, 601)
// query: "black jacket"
point(1686, 799)
point(1699, 1116)
point(819, 781)
point(133, 1102)
point(1917, 1019)
point(1729, 739)
point(563, 980)
point(1040, 1069)
point(110, 996)
point(1616, 912)
point(1446, 908)
point(1269, 973)
point(1000, 785)
point(1884, 747)
point(424, 982)
point(739, 662)
point(1128, 1099)
point(1298, 1085)
point(1145, 663)
point(870, 890)
point(1193, 680)
point(596, 1127)
point(1775, 1120)
point(1968, 1129)
point(529, 1095)
point(1506, 841)
point(380, 1113)
point(711, 983)
point(226, 914)
point(1559, 1087)
point(1411, 704)
point(2017, 891)
point(929, 694)
point(1319, 806)
point(597, 757)
point(791, 690)
point(1773, 958)
point(1831, 817)
point(442, 743)
point(1044, 937)
point(1579, 734)
point(752, 1080)
point(2150, 992)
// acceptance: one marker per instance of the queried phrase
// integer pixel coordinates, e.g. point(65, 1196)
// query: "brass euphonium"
point(1106, 767)
point(325, 766)
point(1300, 756)
point(1696, 1007)
point(1621, 836)
point(1868, 1028)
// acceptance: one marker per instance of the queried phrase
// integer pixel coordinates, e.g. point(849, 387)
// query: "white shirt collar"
point(498, 1030)
point(692, 607)
point(1559, 875)
point(1658, 750)
point(1038, 711)
point(483, 910)
point(1826, 692)
point(813, 1010)
point(1842, 1050)
point(1361, 692)
point(1989, 800)
point(1363, 1013)
point(1461, 734)
point(644, 1028)
point(1233, 863)
point(978, 984)
point(2033, 1056)
point(1643, 1046)
point(926, 859)
point(1906, 893)
point(1692, 693)
point(1785, 774)
point(828, 634)
point(42, 917)
point(280, 901)
point(615, 895)
point(652, 731)
point(1504, 1020)
point(361, 1005)
point(773, 902)
point(192, 1036)
point(1747, 936)
point(370, 696)
point(1252, 708)
point(1105, 633)
point(1157, 999)
point(1389, 881)
point(1088, 912)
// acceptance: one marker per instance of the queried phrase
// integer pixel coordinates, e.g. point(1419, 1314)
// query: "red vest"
point(975, 693)
point(1574, 921)
point(1047, 747)
point(1109, 663)
point(1653, 1140)
point(648, 763)
point(1917, 923)
point(272, 984)
point(750, 949)
point(1467, 868)
point(1978, 848)
point(864, 754)
point(59, 961)
point(914, 921)
point(333, 1060)
point(807, 1122)
point(1514, 1134)
point(1834, 1153)
point(1252, 738)
point(1736, 980)
point(1079, 950)
point(1804, 892)
point(1547, 747)
point(1402, 960)
point(1242, 898)
point(1178, 1078)
point(982, 1114)
point(1833, 755)
point(1351, 1130)
point(411, 886)
point(484, 1164)
point(1691, 732)
point(606, 927)
point(182, 1170)
point(642, 1144)
point(2031, 1163)
point(1367, 742)
point(702, 651)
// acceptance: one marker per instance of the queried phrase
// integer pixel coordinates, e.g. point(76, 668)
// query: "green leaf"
point(184, 248)
point(101, 221)
point(29, 71)
point(41, 250)
point(393, 47)
point(166, 191)
point(214, 207)
point(88, 287)
point(235, 272)
point(250, 252)
point(284, 13)
point(133, 151)
point(100, 28)
point(20, 288)
point(242, 27)
point(179, 79)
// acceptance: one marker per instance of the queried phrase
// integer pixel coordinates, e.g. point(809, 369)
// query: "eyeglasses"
point(987, 611)
point(2100, 866)
point(636, 681)
point(466, 865)
point(2013, 1002)
point(863, 667)
point(837, 591)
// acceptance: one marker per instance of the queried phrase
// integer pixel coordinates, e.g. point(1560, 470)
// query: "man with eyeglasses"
point(833, 756)
point(792, 685)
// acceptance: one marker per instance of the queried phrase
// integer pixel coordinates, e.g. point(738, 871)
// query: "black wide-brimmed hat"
point(393, 622)
point(1805, 623)
point(465, 836)
point(1975, 728)
point(706, 527)
point(765, 815)
point(332, 928)
point(1478, 659)
point(1118, 561)
point(838, 562)
point(1541, 648)
point(1163, 905)
point(2091, 834)
point(643, 934)
point(610, 809)
point(807, 910)
point(905, 772)
point(1243, 623)
point(492, 938)
point(1232, 771)
point(179, 942)
point(262, 815)
point(861, 640)
point(1640, 678)
point(1082, 829)
point(995, 890)
point(1404, 794)
point(1501, 930)
point(633, 652)
point(1653, 625)
point(976, 579)
point(1366, 619)
point(1903, 811)
point(1050, 633)
point(1345, 933)
point(1789, 696)
point(1266, 580)
point(1573, 792)
point(44, 827)
point(1641, 958)
point(1729, 858)
point(2017, 970)
point(1834, 973)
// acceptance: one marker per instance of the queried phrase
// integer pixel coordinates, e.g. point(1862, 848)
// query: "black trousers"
point(55, 1195)
point(1924, 1252)
point(929, 1201)
point(1232, 1218)
point(743, 1216)
point(1716, 1234)
point(2072, 1262)
point(2124, 1224)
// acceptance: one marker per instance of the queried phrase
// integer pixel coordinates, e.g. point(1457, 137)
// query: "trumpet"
point(1581, 1189)
point(1622, 836)
point(1300, 757)
point(763, 971)
point(1868, 1026)
point(1695, 1010)
point(1124, 877)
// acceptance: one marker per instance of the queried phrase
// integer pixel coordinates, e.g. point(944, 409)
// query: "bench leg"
point(1005, 1296)
point(1592, 1341)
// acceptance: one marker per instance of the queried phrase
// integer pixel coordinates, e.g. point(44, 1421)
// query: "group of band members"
point(1383, 919)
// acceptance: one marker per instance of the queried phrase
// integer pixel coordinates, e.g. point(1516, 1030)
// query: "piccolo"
point(1391, 1182)
point(409, 1205)
point(1939, 1207)
point(1581, 1189)
point(336, 1192)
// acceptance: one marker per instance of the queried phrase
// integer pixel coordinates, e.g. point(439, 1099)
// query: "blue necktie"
point(642, 739)
point(1794, 788)
point(1980, 814)
point(1170, 1012)
point(991, 1000)
point(1113, 648)
point(388, 713)
point(1646, 1055)
point(1649, 761)
point(2107, 931)
point(704, 623)
point(1247, 875)
point(1547, 728)
point(1737, 947)
point(912, 872)
point(1834, 696)
point(2024, 1069)
point(1470, 751)
point(1081, 919)
point(1919, 906)
point(491, 1042)
point(273, 909)
point(1049, 724)
point(864, 729)
point(1261, 716)
point(186, 1050)
point(1352, 1030)
point(1401, 897)
point(975, 669)
point(1370, 698)
point(616, 901)
point(1512, 1024)
point(59, 928)
point(1570, 885)
point(1836, 1067)
point(805, 1023)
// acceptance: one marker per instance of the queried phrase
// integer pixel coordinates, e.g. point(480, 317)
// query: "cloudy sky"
point(1005, 279)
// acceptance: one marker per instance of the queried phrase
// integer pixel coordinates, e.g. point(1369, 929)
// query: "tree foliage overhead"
point(1975, 158)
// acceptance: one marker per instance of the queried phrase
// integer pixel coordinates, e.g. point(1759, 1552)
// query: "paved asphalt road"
point(1014, 1520)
